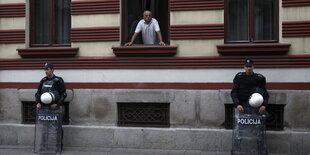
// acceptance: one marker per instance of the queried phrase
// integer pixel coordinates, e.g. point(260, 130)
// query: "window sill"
point(145, 51)
point(253, 49)
point(48, 52)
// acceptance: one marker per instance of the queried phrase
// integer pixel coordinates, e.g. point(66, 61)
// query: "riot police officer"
point(55, 86)
point(245, 84)
point(51, 83)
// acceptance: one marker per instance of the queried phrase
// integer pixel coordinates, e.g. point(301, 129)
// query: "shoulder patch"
point(259, 76)
point(240, 74)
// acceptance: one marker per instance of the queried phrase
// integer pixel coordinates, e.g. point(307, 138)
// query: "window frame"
point(251, 25)
point(52, 27)
point(166, 36)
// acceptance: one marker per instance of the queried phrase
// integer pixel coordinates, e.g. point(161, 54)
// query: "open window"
point(132, 13)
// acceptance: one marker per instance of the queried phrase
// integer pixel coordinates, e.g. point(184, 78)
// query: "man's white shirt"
point(149, 35)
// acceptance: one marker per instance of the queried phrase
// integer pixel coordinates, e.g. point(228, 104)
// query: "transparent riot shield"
point(248, 134)
point(48, 131)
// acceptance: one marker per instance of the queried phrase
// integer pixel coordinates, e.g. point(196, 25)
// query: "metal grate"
point(144, 114)
point(29, 113)
point(274, 119)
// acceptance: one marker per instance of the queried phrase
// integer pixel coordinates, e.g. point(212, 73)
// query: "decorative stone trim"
point(260, 49)
point(48, 52)
point(145, 51)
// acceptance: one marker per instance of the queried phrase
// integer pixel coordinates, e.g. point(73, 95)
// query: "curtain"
point(264, 18)
point(42, 22)
point(238, 20)
point(62, 22)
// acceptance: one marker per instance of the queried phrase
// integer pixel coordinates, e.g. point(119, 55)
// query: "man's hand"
point(53, 106)
point(128, 44)
point(262, 109)
point(240, 108)
point(162, 43)
point(39, 106)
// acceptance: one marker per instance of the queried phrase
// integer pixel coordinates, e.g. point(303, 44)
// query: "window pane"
point(238, 20)
point(62, 22)
point(41, 22)
point(264, 20)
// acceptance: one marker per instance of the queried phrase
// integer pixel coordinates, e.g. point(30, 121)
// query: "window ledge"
point(48, 52)
point(253, 49)
point(145, 51)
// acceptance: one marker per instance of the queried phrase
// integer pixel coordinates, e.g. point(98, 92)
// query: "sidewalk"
point(17, 150)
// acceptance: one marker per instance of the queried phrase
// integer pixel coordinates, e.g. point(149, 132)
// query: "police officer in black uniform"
point(245, 84)
point(51, 83)
point(55, 85)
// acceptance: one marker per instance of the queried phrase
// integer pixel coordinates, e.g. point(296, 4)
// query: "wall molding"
point(48, 52)
point(95, 7)
point(145, 51)
point(89, 34)
point(293, 61)
point(190, 5)
point(262, 49)
point(12, 36)
point(12, 10)
point(93, 34)
point(164, 85)
point(198, 31)
point(296, 29)
point(289, 3)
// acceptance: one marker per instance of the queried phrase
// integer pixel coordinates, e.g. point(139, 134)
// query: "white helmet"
point(47, 98)
point(256, 100)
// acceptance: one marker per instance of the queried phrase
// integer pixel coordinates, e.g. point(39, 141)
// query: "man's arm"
point(38, 95)
point(160, 38)
point(62, 91)
point(132, 39)
point(234, 92)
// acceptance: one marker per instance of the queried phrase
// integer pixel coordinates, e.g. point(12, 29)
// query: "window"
point(143, 114)
point(251, 21)
point(50, 23)
point(132, 13)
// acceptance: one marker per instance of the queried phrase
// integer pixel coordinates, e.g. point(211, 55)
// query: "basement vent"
point(29, 113)
point(274, 119)
point(143, 114)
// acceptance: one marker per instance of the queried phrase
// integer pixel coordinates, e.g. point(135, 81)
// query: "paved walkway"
point(15, 150)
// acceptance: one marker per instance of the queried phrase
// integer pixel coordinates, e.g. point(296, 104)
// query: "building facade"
point(149, 96)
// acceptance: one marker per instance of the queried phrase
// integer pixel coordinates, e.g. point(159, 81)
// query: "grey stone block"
point(104, 107)
point(158, 139)
point(92, 136)
point(142, 96)
point(80, 107)
point(278, 142)
point(297, 109)
point(212, 111)
point(10, 106)
point(8, 135)
point(128, 137)
point(183, 109)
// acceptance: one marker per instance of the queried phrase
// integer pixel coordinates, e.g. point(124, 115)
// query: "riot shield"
point(48, 130)
point(248, 134)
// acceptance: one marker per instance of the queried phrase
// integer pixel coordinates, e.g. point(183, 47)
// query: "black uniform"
point(55, 85)
point(245, 85)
